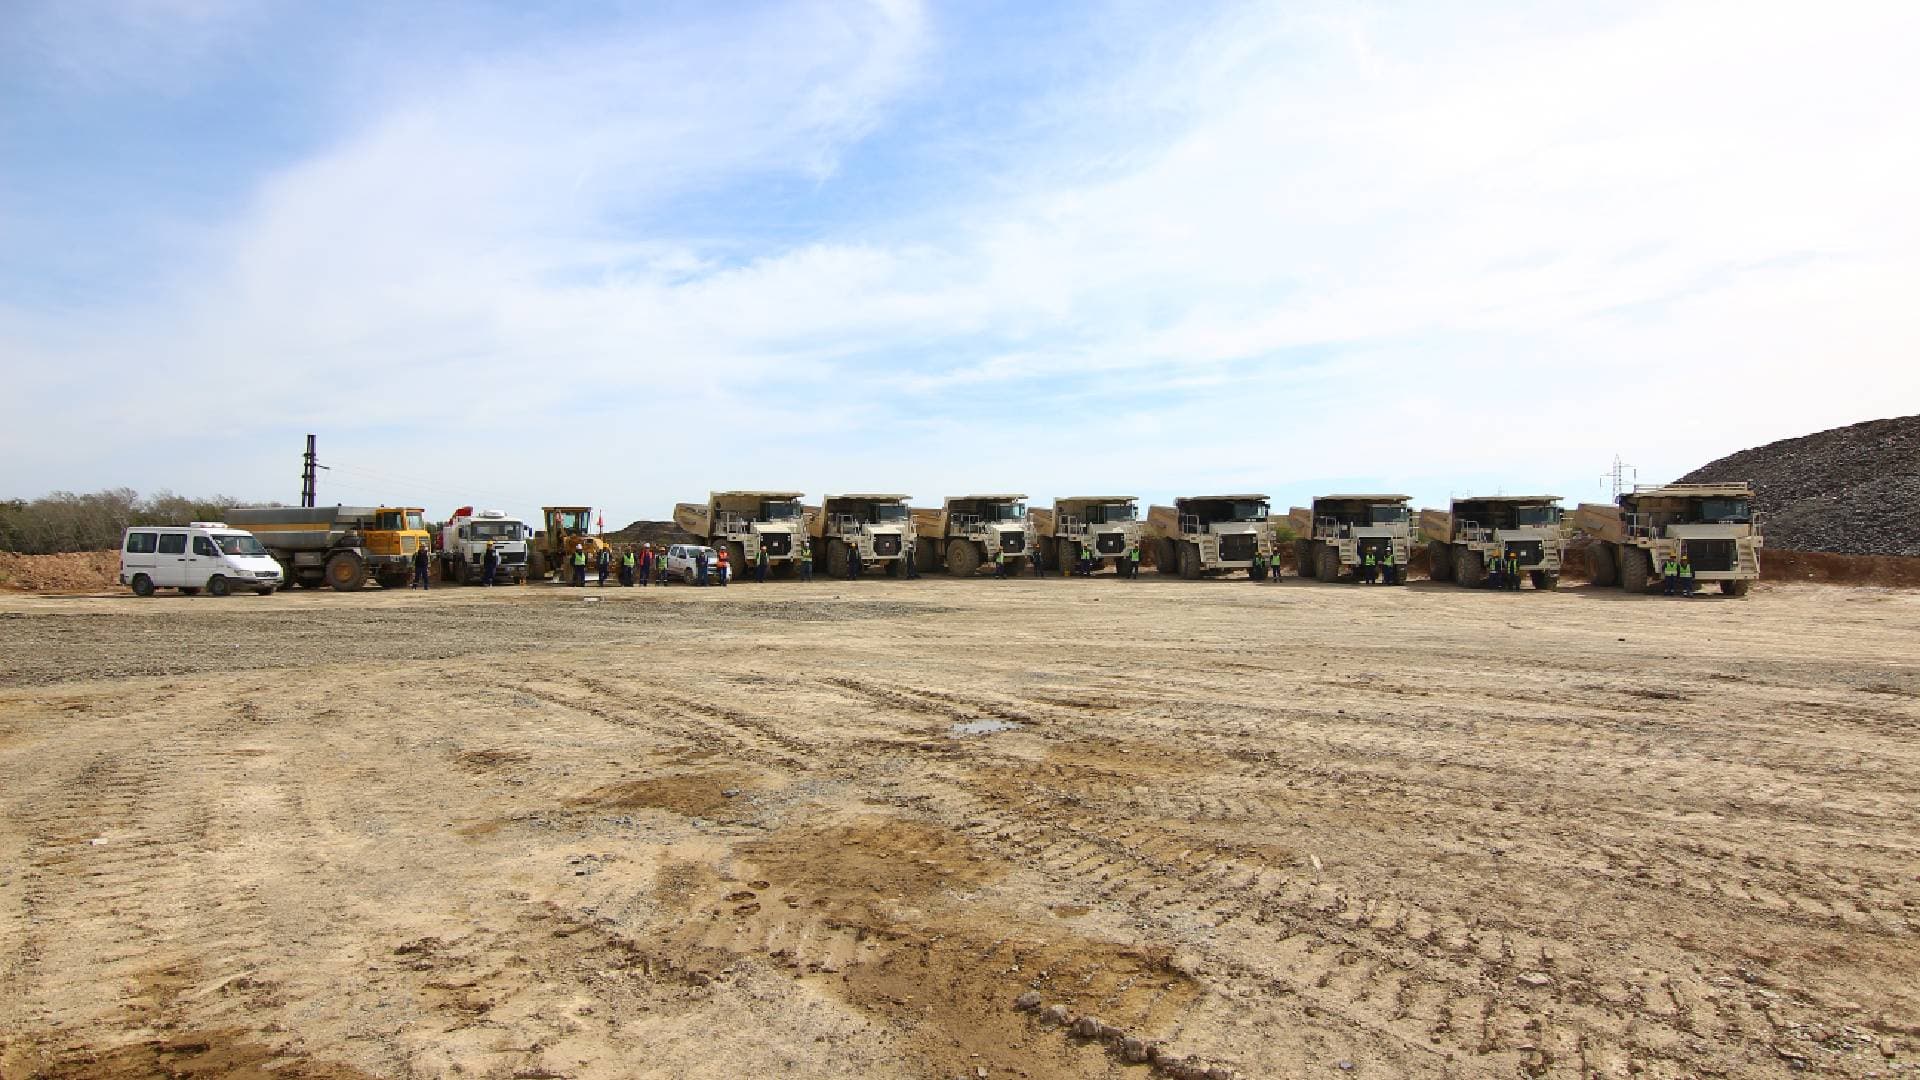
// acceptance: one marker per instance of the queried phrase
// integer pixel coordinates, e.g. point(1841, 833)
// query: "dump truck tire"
point(1440, 562)
point(537, 565)
point(1327, 563)
point(1469, 567)
point(1190, 562)
point(962, 559)
point(837, 559)
point(1602, 570)
point(927, 553)
point(1636, 568)
point(1735, 588)
point(1049, 553)
point(1068, 554)
point(1304, 558)
point(738, 568)
point(1544, 581)
point(1166, 556)
point(346, 572)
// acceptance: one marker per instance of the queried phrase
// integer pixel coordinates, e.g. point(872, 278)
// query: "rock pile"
point(1853, 490)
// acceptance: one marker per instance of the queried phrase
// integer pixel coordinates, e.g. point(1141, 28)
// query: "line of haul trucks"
point(1713, 525)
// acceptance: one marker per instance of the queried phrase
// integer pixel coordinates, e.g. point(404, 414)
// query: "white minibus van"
point(203, 555)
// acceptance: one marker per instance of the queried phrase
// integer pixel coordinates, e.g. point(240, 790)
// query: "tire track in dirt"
point(1322, 934)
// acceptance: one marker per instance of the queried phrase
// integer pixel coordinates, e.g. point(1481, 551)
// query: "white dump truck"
point(746, 523)
point(463, 546)
point(1105, 526)
point(875, 529)
point(1713, 525)
point(1212, 534)
point(971, 531)
point(1345, 529)
point(1465, 540)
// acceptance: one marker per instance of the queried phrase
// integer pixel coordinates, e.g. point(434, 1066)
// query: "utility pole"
point(1618, 476)
point(309, 472)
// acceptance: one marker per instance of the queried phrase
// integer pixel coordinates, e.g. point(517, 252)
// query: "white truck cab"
point(200, 555)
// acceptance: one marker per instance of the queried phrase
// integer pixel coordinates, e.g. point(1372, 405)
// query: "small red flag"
point(601, 523)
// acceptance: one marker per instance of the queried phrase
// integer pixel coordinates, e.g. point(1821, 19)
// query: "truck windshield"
point(238, 544)
point(494, 530)
point(1726, 511)
point(1389, 515)
point(779, 511)
point(1009, 512)
point(1109, 513)
point(389, 521)
point(1533, 516)
point(889, 512)
point(1249, 511)
point(416, 521)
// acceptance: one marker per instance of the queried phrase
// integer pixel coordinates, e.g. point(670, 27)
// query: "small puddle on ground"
point(981, 727)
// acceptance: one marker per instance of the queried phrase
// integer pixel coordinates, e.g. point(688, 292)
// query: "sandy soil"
point(1287, 830)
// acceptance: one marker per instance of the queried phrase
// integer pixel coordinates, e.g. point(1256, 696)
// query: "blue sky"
point(625, 253)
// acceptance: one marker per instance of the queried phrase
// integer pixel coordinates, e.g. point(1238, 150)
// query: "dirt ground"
point(935, 829)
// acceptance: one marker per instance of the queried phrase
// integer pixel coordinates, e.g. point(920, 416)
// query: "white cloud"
point(1407, 247)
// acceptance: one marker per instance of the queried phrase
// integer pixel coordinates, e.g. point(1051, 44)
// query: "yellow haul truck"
point(1345, 529)
point(338, 546)
point(876, 529)
point(971, 531)
point(1103, 526)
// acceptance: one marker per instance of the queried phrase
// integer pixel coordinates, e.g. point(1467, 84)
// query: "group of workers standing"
point(1378, 568)
point(1676, 576)
point(1503, 571)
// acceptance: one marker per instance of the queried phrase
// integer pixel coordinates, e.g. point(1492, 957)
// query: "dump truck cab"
point(1102, 526)
point(1204, 534)
point(1712, 525)
point(876, 529)
point(1345, 529)
point(744, 524)
point(969, 531)
point(1464, 542)
point(568, 529)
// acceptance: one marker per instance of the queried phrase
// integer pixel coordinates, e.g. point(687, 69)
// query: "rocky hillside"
point(1854, 490)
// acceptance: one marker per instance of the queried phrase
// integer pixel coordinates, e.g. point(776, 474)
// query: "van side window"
point(140, 543)
point(173, 543)
point(204, 546)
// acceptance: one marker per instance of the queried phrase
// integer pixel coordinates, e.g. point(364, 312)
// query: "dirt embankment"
point(73, 571)
point(1798, 567)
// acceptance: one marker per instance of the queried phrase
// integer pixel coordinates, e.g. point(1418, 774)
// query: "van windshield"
point(239, 544)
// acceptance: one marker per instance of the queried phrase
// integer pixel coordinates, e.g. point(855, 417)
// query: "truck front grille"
point(1709, 554)
point(1110, 543)
point(886, 544)
point(776, 544)
point(1527, 551)
point(513, 558)
point(1238, 547)
point(1013, 541)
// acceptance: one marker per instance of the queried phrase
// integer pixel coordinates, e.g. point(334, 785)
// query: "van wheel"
point(217, 586)
point(142, 585)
